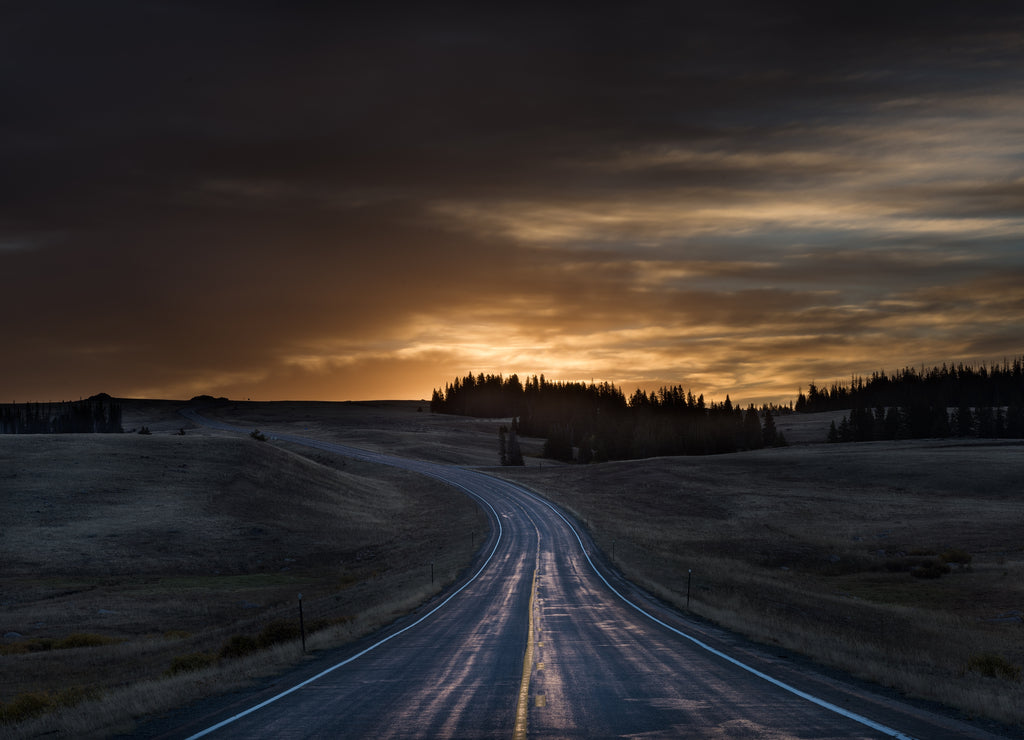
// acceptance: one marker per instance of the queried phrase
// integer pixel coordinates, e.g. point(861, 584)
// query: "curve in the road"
point(582, 625)
point(321, 674)
point(877, 726)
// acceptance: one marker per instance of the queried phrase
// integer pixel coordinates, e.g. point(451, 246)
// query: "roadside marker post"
point(689, 577)
point(302, 626)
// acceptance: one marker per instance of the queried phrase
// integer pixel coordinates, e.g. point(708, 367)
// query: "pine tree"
point(769, 434)
point(515, 455)
point(753, 436)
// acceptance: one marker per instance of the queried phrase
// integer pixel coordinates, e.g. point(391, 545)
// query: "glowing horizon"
point(373, 204)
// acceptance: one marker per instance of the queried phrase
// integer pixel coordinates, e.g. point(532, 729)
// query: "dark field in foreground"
point(149, 549)
point(900, 562)
point(811, 547)
point(814, 547)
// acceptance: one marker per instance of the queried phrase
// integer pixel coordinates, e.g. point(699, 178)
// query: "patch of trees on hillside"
point(595, 422)
point(926, 422)
point(946, 387)
point(98, 414)
point(949, 401)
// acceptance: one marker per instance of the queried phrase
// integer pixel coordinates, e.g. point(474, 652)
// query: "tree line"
point(949, 401)
point(596, 421)
point(923, 421)
point(949, 386)
point(98, 414)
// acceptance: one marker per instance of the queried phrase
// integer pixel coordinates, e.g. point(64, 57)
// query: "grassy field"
point(818, 548)
point(125, 555)
point(902, 563)
point(173, 546)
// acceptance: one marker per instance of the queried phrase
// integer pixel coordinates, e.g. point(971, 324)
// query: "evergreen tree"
point(769, 434)
point(940, 423)
point(985, 422)
point(845, 435)
point(558, 446)
point(753, 435)
point(892, 423)
point(515, 454)
point(587, 450)
point(963, 420)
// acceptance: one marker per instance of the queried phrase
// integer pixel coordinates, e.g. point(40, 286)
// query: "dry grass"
point(808, 547)
point(185, 541)
point(169, 545)
point(811, 548)
point(405, 428)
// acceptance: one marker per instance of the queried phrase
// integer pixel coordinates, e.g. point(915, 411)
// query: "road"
point(544, 641)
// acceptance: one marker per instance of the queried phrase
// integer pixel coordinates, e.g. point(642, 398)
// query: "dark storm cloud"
point(226, 197)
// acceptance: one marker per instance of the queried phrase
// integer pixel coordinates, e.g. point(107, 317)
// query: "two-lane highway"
point(542, 642)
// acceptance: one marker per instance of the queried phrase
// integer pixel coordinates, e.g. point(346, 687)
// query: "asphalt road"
point(545, 641)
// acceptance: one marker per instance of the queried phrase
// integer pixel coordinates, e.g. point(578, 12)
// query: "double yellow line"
point(524, 686)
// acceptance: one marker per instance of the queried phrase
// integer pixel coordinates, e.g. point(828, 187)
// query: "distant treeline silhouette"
point(595, 422)
point(946, 387)
point(942, 402)
point(924, 422)
point(99, 414)
point(951, 401)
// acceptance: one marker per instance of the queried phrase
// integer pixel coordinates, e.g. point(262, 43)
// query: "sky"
point(321, 201)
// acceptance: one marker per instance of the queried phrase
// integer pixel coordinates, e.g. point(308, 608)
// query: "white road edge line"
point(360, 654)
point(750, 669)
point(296, 687)
point(884, 729)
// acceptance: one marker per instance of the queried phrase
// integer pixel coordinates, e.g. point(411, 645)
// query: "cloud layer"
point(274, 202)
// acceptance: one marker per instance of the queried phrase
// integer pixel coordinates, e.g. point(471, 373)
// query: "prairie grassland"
point(816, 549)
point(810, 547)
point(405, 428)
point(163, 546)
point(176, 544)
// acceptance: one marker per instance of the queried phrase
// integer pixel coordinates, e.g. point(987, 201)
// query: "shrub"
point(258, 435)
point(932, 569)
point(84, 639)
point(25, 706)
point(45, 644)
point(34, 703)
point(190, 662)
point(145, 430)
point(278, 631)
point(238, 646)
point(956, 555)
point(994, 665)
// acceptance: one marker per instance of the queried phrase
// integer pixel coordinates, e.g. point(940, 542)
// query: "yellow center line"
point(524, 686)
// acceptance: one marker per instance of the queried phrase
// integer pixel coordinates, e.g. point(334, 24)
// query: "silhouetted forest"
point(945, 387)
point(596, 422)
point(941, 402)
point(98, 414)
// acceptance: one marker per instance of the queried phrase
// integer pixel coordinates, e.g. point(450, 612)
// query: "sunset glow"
point(278, 203)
